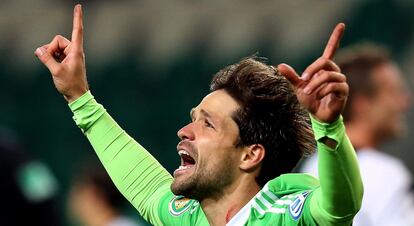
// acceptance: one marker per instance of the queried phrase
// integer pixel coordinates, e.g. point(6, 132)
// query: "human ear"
point(252, 156)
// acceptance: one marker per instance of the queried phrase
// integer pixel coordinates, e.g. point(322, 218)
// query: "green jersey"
point(290, 199)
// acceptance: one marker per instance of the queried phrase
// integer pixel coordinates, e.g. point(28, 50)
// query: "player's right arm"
point(139, 177)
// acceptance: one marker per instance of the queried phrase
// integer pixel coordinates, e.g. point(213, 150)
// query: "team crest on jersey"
point(178, 205)
point(296, 207)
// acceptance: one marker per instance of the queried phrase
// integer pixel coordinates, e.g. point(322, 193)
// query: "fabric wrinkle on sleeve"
point(339, 196)
point(134, 171)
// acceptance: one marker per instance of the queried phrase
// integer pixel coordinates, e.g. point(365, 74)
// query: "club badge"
point(178, 205)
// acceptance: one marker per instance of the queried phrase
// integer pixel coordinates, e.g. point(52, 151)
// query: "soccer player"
point(245, 137)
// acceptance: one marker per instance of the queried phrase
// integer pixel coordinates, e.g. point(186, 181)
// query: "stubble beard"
point(206, 183)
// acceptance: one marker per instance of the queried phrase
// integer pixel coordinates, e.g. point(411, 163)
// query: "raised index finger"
point(77, 31)
point(333, 42)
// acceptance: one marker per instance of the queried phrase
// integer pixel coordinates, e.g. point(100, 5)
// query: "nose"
point(187, 132)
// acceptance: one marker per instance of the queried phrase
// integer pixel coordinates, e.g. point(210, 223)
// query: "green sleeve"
point(339, 196)
point(137, 174)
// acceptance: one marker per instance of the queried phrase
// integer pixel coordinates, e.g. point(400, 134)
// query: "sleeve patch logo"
point(296, 207)
point(178, 205)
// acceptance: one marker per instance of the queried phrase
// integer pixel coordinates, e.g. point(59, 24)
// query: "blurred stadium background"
point(150, 61)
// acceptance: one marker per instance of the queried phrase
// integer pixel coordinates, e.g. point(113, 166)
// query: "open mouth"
point(186, 160)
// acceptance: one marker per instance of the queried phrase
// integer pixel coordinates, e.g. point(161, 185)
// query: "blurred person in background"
point(27, 187)
point(375, 114)
point(95, 201)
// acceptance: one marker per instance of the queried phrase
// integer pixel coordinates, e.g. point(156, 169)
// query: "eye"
point(208, 124)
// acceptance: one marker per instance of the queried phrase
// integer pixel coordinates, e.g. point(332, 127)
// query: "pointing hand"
point(322, 89)
point(66, 60)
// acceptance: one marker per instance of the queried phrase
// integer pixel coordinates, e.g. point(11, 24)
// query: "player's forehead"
point(218, 104)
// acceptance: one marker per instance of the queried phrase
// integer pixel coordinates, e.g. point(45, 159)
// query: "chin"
point(183, 188)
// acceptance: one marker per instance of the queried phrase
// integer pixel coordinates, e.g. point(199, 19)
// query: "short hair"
point(357, 62)
point(269, 114)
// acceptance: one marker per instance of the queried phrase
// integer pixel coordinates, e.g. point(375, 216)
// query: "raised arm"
point(323, 91)
point(139, 177)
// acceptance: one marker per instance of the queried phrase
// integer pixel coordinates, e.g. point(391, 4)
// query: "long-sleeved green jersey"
point(290, 199)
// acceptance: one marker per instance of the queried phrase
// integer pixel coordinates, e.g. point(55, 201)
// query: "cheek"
point(212, 154)
point(216, 147)
point(209, 144)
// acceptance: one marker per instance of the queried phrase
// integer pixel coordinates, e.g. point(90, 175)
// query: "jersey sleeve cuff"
point(82, 100)
point(334, 130)
point(86, 111)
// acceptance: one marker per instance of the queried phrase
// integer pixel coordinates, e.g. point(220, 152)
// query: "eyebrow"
point(202, 111)
point(205, 113)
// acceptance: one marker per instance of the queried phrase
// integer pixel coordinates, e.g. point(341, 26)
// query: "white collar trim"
point(243, 215)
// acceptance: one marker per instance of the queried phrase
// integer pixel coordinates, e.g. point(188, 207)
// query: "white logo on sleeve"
point(296, 206)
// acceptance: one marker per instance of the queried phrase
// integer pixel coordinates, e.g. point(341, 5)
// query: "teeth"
point(184, 167)
point(183, 152)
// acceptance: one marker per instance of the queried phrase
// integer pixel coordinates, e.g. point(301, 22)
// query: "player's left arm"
point(323, 91)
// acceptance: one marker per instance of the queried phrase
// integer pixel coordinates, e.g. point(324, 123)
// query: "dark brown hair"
point(357, 63)
point(269, 114)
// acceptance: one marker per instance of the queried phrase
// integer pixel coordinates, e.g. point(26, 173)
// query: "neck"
point(220, 211)
point(361, 135)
